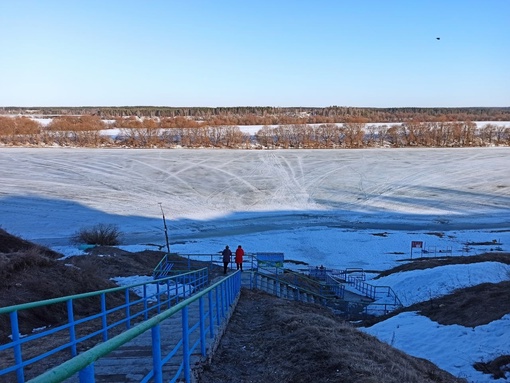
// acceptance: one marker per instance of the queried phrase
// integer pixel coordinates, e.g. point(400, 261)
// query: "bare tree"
point(266, 136)
point(488, 133)
point(354, 134)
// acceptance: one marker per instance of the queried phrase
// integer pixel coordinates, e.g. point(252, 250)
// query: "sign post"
point(271, 261)
point(416, 244)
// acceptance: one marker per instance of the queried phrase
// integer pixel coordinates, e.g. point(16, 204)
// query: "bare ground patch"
point(431, 262)
point(273, 340)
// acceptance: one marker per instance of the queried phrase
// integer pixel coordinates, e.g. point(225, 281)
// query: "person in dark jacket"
point(239, 258)
point(227, 255)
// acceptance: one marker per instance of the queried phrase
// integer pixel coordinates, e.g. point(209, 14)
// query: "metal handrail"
point(207, 258)
point(84, 362)
point(320, 296)
point(375, 292)
point(169, 291)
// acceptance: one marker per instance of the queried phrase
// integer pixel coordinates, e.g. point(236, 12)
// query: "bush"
point(100, 234)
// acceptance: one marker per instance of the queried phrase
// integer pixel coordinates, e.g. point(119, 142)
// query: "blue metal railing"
point(344, 275)
point(329, 285)
point(184, 262)
point(355, 277)
point(335, 285)
point(219, 296)
point(274, 285)
point(81, 332)
point(163, 268)
point(288, 284)
point(385, 294)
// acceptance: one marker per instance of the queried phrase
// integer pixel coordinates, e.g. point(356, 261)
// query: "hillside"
point(273, 340)
point(268, 339)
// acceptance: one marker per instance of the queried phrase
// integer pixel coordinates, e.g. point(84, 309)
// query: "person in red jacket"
point(239, 258)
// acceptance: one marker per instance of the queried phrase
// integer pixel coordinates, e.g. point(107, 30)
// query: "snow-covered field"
point(339, 208)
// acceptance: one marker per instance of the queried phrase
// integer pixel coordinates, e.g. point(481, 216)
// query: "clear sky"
point(372, 53)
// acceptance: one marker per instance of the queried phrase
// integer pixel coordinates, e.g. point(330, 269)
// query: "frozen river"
point(46, 194)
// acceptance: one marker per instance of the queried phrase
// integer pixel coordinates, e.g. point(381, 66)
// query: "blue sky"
point(266, 53)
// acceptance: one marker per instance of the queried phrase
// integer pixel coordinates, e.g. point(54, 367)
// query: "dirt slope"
point(273, 340)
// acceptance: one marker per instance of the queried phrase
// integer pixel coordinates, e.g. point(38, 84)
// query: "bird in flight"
point(438, 38)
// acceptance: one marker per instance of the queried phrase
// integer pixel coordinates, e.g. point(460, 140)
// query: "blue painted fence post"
point(17, 347)
point(222, 289)
point(87, 374)
point(202, 325)
point(218, 292)
point(128, 313)
point(211, 313)
point(156, 354)
point(185, 344)
point(145, 303)
point(103, 317)
point(72, 332)
point(158, 299)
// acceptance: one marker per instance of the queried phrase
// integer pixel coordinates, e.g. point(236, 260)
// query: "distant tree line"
point(363, 135)
point(265, 115)
point(89, 131)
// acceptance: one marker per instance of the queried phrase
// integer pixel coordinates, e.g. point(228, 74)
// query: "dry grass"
point(12, 244)
point(29, 276)
point(431, 262)
point(274, 340)
point(13, 263)
point(498, 368)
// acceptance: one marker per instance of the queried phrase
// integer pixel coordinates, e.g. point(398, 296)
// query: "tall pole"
point(166, 229)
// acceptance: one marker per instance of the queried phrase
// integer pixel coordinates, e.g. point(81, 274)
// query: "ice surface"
point(339, 208)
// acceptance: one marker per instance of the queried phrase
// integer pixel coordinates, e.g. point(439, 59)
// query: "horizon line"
point(255, 106)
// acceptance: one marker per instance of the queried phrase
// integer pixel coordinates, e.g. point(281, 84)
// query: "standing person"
point(239, 258)
point(227, 256)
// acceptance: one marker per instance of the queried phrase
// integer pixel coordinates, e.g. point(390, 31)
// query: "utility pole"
point(166, 229)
